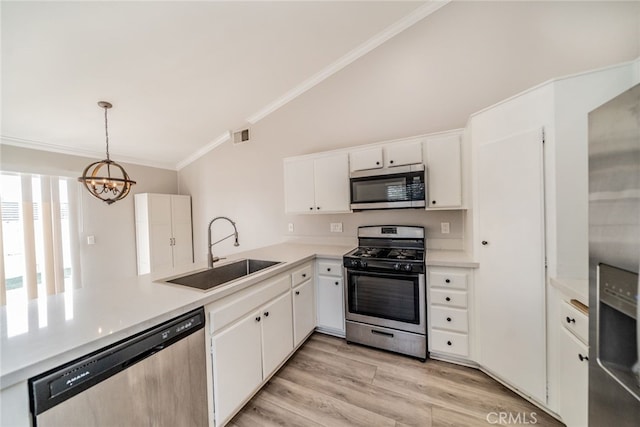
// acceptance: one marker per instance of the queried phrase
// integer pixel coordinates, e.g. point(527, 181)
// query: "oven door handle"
point(389, 275)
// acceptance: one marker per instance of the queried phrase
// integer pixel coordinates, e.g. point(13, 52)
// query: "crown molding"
point(366, 47)
point(45, 146)
point(204, 150)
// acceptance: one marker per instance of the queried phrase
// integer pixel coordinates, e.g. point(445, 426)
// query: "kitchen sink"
point(223, 274)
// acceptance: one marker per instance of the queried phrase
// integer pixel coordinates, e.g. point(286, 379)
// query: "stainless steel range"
point(385, 290)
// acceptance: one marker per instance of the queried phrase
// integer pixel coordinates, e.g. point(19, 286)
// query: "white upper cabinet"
point(370, 158)
point(403, 153)
point(317, 184)
point(442, 159)
point(299, 186)
point(163, 232)
point(399, 153)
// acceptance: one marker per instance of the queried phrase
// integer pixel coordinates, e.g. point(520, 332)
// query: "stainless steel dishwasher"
point(155, 378)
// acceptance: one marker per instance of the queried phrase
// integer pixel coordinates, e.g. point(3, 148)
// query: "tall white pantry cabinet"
point(529, 157)
point(164, 237)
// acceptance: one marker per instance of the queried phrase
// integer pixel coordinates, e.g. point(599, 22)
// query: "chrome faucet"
point(210, 258)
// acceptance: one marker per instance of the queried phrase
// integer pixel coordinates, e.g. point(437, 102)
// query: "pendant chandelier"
point(106, 180)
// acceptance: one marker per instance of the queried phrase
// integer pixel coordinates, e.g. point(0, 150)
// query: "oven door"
point(393, 300)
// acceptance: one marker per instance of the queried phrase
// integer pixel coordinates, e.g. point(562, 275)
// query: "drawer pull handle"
point(297, 292)
point(258, 319)
point(266, 314)
point(447, 281)
point(386, 334)
point(570, 320)
point(304, 275)
point(337, 283)
point(448, 342)
point(582, 358)
point(448, 299)
point(448, 319)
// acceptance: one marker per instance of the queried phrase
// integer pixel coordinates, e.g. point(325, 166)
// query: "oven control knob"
point(354, 263)
point(407, 267)
point(397, 266)
point(363, 264)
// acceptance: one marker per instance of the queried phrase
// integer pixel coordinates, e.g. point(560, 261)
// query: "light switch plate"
point(290, 227)
point(444, 227)
point(336, 227)
point(91, 240)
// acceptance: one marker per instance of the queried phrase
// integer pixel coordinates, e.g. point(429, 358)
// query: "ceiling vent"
point(241, 136)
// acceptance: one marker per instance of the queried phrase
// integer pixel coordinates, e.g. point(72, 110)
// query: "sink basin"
point(223, 274)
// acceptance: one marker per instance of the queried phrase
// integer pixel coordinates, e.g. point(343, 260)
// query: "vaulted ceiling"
point(179, 74)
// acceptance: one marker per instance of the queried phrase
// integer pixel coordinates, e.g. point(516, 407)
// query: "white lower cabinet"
point(237, 365)
point(449, 312)
point(573, 374)
point(252, 335)
point(304, 311)
point(330, 297)
point(574, 380)
point(277, 333)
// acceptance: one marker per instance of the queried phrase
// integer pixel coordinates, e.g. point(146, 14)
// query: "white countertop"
point(450, 259)
point(577, 289)
point(51, 331)
point(87, 319)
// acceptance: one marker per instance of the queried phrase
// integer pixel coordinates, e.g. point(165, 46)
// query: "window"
point(38, 238)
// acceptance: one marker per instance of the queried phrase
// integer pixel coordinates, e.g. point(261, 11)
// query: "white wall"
point(114, 254)
point(430, 78)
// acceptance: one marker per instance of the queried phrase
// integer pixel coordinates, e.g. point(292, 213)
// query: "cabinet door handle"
point(377, 163)
point(258, 319)
point(433, 202)
point(448, 342)
point(304, 275)
point(311, 208)
point(266, 314)
point(447, 280)
point(447, 299)
point(318, 208)
point(390, 162)
point(448, 319)
point(484, 243)
point(570, 320)
point(297, 292)
point(582, 358)
point(328, 269)
point(337, 283)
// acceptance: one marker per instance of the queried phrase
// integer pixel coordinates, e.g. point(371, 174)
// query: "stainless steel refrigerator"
point(614, 258)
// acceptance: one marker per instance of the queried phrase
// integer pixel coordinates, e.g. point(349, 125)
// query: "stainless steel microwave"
point(389, 188)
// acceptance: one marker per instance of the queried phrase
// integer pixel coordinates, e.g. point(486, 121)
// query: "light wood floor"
point(331, 383)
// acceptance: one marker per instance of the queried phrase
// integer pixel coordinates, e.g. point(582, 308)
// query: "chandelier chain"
point(106, 131)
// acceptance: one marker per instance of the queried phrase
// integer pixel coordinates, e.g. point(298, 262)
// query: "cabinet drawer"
point(447, 297)
point(455, 280)
point(330, 268)
point(449, 342)
point(227, 310)
point(575, 321)
point(453, 319)
point(301, 275)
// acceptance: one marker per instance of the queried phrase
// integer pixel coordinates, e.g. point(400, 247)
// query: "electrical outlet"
point(290, 227)
point(444, 227)
point(336, 227)
point(91, 240)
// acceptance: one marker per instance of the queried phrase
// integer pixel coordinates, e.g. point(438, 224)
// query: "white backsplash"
point(316, 228)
